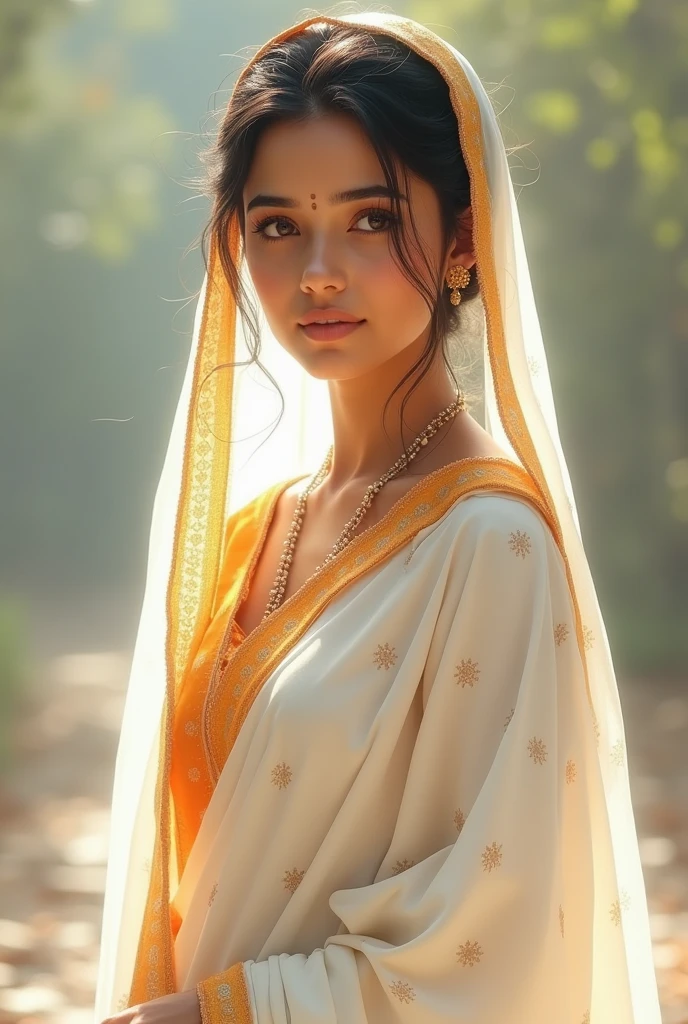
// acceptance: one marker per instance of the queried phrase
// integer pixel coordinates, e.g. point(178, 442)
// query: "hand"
point(178, 1008)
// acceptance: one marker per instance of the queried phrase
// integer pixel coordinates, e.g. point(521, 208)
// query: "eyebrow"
point(348, 196)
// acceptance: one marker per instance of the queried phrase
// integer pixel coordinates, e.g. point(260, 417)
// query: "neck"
point(363, 449)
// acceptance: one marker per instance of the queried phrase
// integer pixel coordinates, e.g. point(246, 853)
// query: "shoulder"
point(498, 529)
point(490, 512)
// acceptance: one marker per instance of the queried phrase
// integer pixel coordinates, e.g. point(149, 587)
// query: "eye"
point(260, 227)
point(376, 214)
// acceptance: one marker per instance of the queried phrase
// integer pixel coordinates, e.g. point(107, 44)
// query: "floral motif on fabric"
point(492, 856)
point(561, 633)
point(293, 879)
point(519, 542)
point(384, 656)
point(616, 754)
point(469, 954)
point(403, 991)
point(537, 750)
point(618, 907)
point(402, 865)
point(281, 775)
point(467, 673)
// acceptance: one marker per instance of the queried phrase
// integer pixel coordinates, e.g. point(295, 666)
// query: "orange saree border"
point(250, 664)
point(190, 781)
point(224, 997)
point(199, 530)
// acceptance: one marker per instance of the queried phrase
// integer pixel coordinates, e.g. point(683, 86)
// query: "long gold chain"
point(280, 586)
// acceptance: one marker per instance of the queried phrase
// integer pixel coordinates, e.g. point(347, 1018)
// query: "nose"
point(322, 271)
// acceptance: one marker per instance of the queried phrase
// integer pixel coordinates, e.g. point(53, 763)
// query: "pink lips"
point(329, 332)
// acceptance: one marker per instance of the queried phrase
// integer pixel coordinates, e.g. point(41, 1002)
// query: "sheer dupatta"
point(207, 476)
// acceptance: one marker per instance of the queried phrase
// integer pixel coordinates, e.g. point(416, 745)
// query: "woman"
point(372, 765)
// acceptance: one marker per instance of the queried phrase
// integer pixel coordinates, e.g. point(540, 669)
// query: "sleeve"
point(486, 910)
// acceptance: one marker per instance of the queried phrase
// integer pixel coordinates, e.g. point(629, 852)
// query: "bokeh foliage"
point(90, 90)
point(596, 91)
point(75, 136)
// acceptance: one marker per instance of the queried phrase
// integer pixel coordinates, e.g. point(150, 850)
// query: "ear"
point(461, 248)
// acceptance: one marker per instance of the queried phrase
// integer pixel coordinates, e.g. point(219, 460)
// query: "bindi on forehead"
point(351, 195)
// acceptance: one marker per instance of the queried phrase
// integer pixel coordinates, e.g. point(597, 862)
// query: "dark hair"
point(400, 100)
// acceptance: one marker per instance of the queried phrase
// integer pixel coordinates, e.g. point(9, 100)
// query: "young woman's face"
point(308, 249)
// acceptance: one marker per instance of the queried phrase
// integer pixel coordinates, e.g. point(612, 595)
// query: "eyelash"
point(377, 210)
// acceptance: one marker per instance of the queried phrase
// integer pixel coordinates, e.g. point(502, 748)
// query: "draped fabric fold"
point(374, 841)
point(491, 878)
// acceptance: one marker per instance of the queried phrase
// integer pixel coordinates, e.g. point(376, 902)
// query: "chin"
point(331, 365)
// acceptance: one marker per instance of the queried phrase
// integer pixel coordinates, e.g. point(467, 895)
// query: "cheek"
point(395, 299)
point(270, 277)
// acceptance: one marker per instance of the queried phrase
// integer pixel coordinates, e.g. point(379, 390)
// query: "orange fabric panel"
point(190, 781)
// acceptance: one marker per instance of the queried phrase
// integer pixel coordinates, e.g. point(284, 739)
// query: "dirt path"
point(54, 818)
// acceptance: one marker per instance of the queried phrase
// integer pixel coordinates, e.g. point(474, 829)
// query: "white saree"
point(417, 797)
point(410, 826)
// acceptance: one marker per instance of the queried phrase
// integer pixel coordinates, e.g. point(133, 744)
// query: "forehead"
point(326, 149)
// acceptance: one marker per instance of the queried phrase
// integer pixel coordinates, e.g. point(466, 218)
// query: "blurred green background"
point(102, 108)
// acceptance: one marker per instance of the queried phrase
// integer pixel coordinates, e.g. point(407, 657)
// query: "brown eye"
point(260, 227)
point(376, 217)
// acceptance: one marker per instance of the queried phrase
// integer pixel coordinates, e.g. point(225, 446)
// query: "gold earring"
point(457, 277)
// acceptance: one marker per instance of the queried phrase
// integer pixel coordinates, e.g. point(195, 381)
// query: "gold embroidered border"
point(250, 664)
point(224, 997)
point(196, 554)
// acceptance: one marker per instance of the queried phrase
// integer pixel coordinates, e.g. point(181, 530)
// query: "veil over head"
point(215, 463)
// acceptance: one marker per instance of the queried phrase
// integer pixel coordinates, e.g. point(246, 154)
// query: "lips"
point(331, 332)
point(330, 313)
